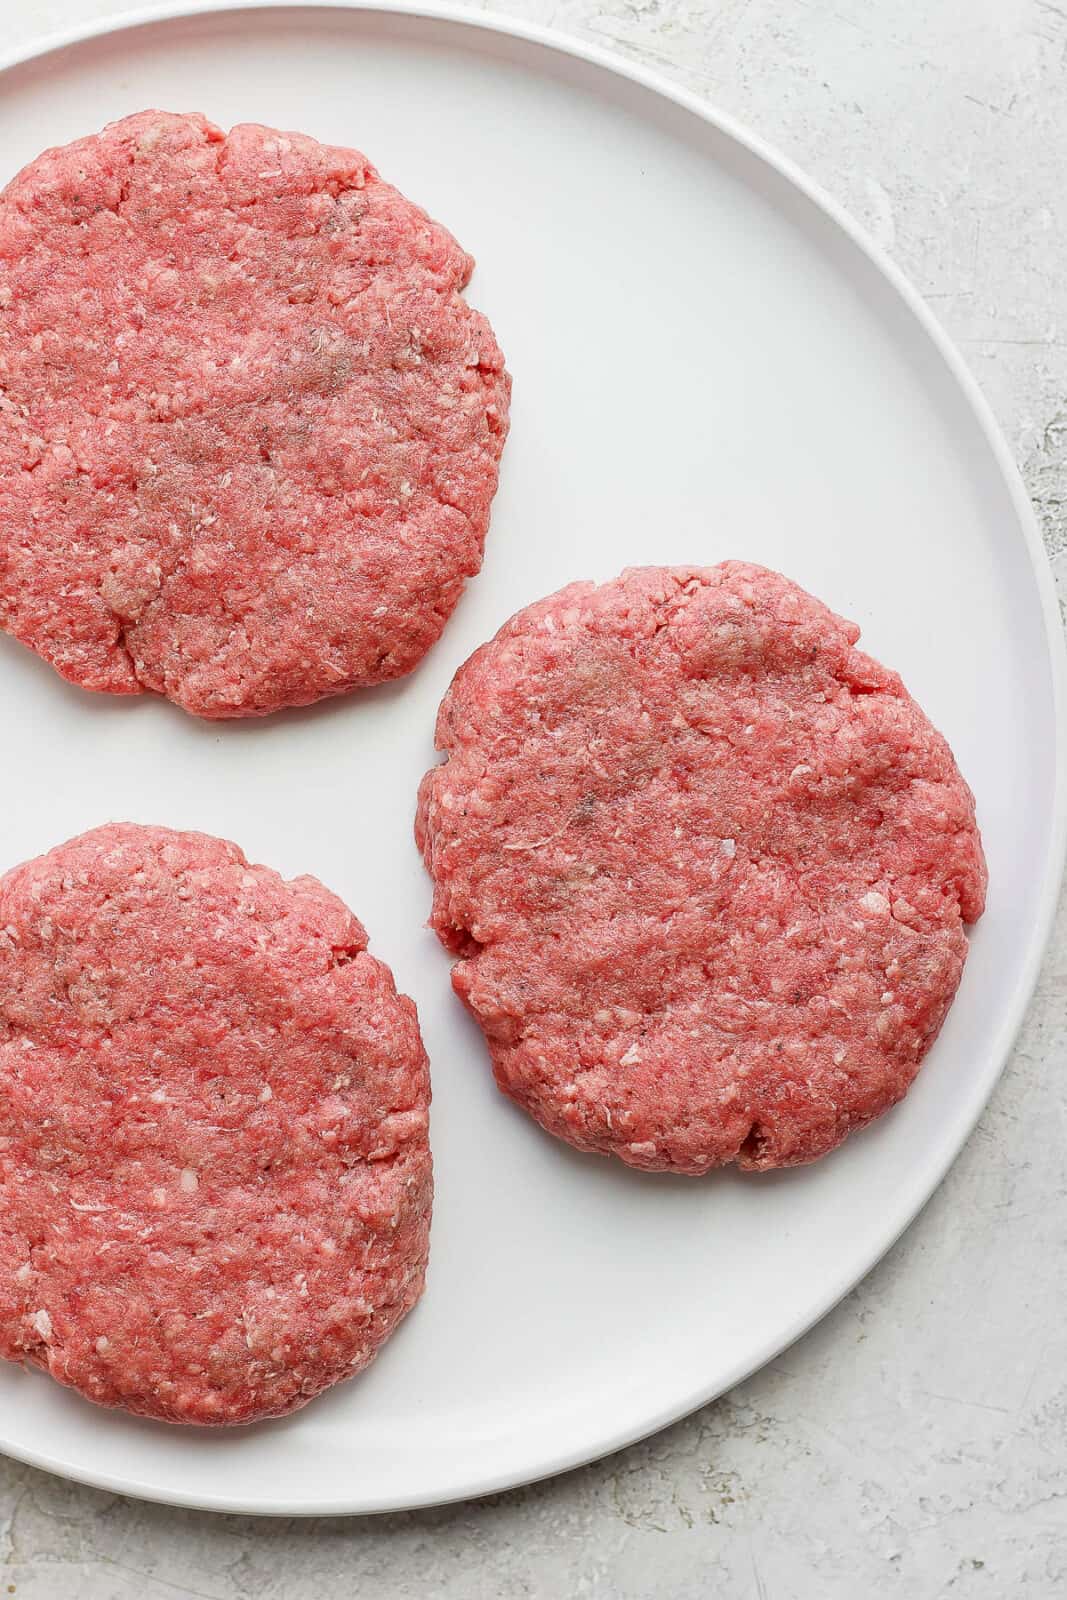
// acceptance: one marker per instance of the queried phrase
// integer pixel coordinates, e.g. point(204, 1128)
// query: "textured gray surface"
point(916, 1443)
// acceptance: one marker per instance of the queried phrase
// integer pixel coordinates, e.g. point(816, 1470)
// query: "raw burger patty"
point(215, 1180)
point(249, 430)
point(705, 864)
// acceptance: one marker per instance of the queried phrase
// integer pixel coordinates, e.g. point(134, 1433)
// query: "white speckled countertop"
point(915, 1444)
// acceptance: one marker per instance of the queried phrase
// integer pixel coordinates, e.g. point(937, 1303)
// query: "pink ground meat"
point(706, 867)
point(215, 1180)
point(249, 428)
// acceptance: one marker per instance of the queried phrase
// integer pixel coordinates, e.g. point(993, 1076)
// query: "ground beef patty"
point(215, 1180)
point(249, 429)
point(705, 864)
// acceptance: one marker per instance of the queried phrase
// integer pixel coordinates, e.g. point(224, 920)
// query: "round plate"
point(709, 362)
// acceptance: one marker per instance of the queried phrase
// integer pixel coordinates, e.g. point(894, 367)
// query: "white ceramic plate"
point(708, 362)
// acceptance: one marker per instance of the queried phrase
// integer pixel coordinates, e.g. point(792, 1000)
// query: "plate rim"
point(919, 1192)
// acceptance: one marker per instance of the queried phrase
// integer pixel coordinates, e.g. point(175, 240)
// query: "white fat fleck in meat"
point(875, 903)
